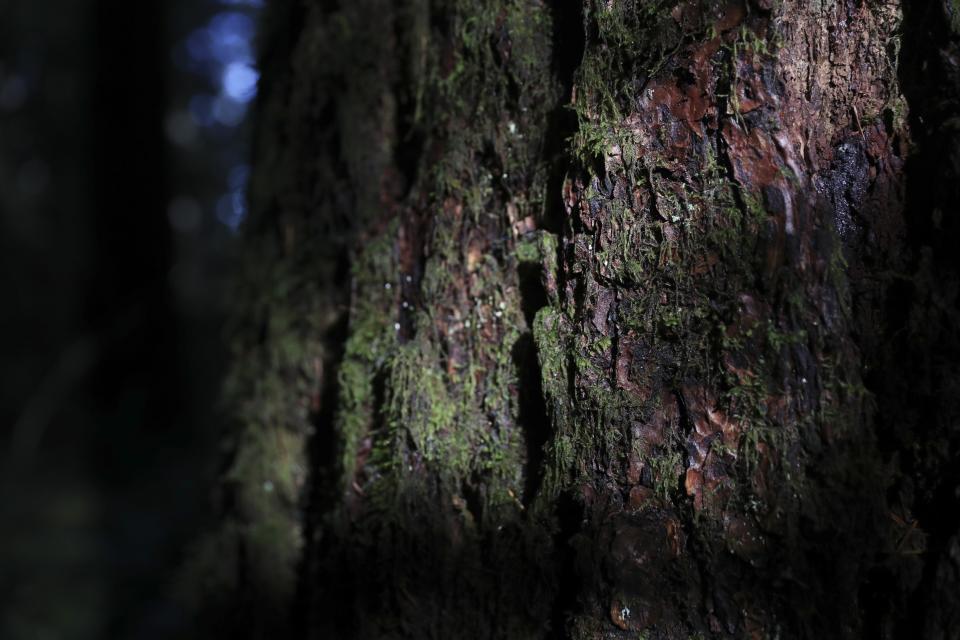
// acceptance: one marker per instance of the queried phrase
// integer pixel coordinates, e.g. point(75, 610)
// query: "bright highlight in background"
point(239, 81)
point(220, 55)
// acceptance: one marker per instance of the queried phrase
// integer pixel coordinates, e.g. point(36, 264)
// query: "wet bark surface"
point(599, 320)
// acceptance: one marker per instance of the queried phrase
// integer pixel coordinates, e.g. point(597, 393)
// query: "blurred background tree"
point(123, 163)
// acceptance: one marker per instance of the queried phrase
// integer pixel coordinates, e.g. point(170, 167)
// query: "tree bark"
point(610, 319)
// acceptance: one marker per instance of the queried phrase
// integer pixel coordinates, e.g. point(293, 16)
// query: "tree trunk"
point(629, 318)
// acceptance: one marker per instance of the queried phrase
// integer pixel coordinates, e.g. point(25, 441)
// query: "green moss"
point(666, 468)
point(273, 375)
point(633, 39)
point(550, 333)
point(438, 425)
point(369, 348)
point(528, 252)
point(422, 412)
point(450, 407)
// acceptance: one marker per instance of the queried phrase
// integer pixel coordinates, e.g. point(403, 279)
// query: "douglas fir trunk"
point(612, 319)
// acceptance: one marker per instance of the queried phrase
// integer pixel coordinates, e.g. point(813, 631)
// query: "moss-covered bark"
point(583, 320)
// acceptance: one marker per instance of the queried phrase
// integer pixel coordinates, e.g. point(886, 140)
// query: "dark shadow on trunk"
point(917, 378)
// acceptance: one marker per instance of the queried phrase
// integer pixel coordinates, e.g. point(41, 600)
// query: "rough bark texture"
point(610, 319)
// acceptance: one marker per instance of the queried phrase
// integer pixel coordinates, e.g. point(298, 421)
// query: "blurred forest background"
point(123, 163)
